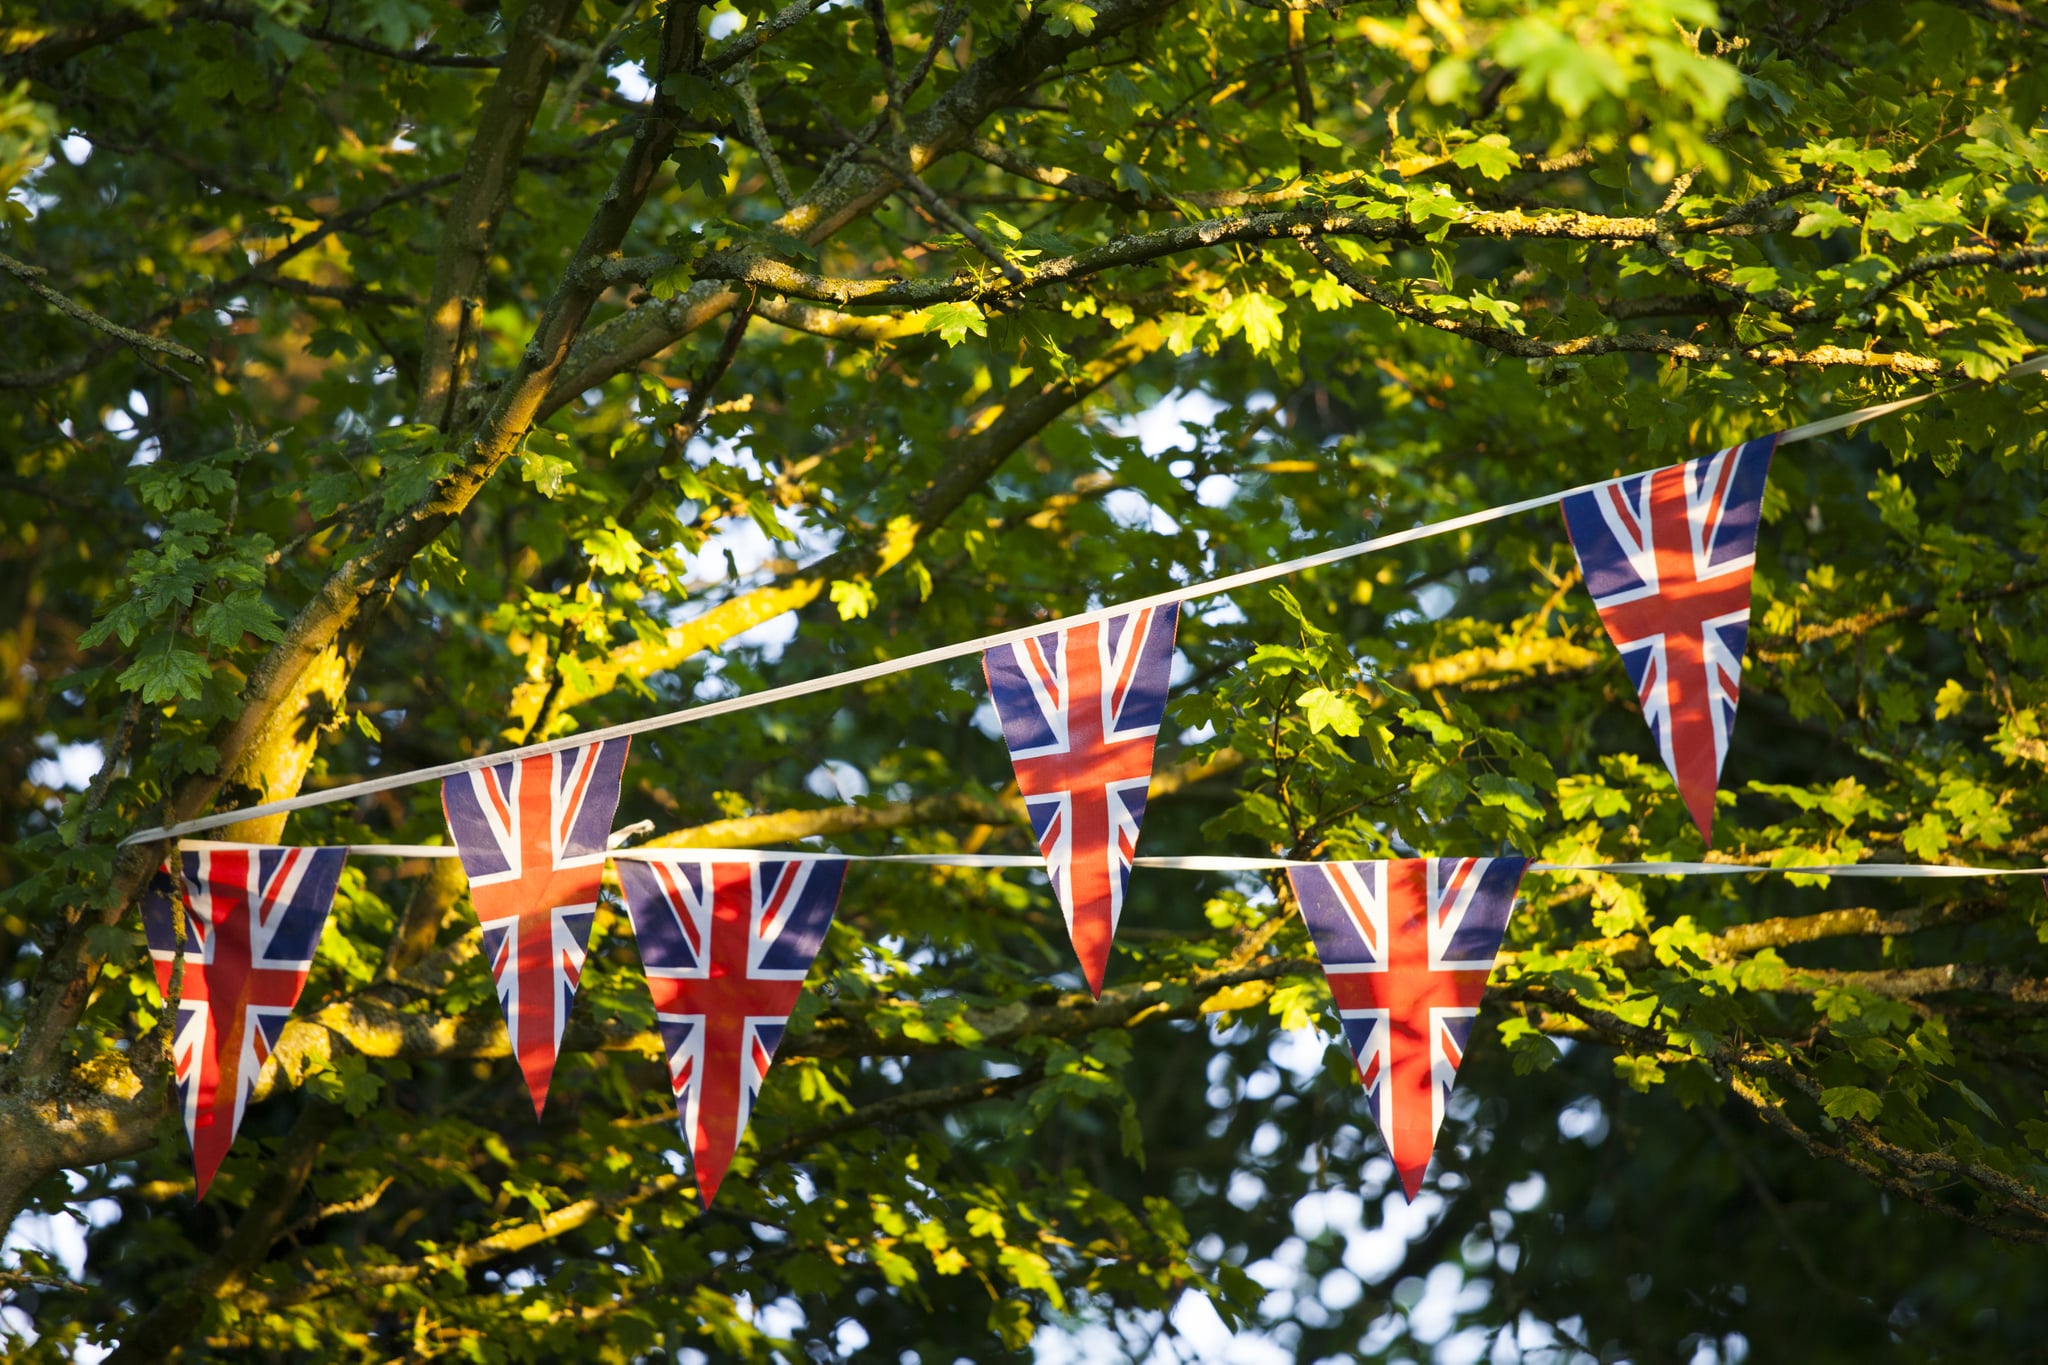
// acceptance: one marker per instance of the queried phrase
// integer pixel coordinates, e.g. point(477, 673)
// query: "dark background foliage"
point(392, 380)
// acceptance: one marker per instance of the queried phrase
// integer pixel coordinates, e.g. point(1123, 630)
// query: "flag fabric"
point(1668, 557)
point(253, 918)
point(533, 835)
point(1407, 945)
point(725, 944)
point(1081, 708)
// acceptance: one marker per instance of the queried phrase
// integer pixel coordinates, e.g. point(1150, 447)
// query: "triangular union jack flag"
point(532, 834)
point(1668, 557)
point(1406, 945)
point(725, 944)
point(1081, 708)
point(253, 918)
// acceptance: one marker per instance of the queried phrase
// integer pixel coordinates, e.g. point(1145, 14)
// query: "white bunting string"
point(1197, 863)
point(1213, 587)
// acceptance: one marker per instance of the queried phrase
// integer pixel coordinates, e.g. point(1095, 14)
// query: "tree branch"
point(1140, 248)
point(971, 467)
point(946, 808)
point(64, 979)
point(848, 187)
point(1862, 922)
point(1640, 343)
point(823, 322)
point(582, 1212)
point(140, 342)
point(471, 222)
point(158, 1333)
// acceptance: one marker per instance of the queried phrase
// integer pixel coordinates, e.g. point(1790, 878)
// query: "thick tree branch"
point(65, 978)
point(823, 322)
point(2017, 992)
point(1861, 922)
point(488, 172)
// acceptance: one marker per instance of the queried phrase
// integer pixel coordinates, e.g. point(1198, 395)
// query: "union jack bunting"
point(1668, 557)
point(532, 835)
point(1081, 708)
point(1406, 946)
point(725, 944)
point(253, 918)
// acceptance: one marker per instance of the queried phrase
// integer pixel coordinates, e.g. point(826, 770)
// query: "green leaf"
point(1279, 659)
point(1328, 293)
point(549, 474)
point(1926, 838)
point(1911, 218)
point(169, 674)
point(1570, 73)
point(1242, 996)
point(1440, 731)
point(699, 95)
point(1517, 798)
point(670, 281)
point(1758, 279)
point(854, 597)
point(1975, 1100)
point(613, 550)
point(1850, 1102)
point(700, 164)
point(289, 42)
point(1257, 316)
point(332, 342)
point(1579, 797)
point(1820, 221)
point(1297, 1004)
point(1031, 1271)
point(1436, 786)
point(953, 321)
point(1529, 1049)
point(1068, 16)
point(1327, 710)
point(1640, 1072)
point(1491, 156)
point(1855, 1012)
point(240, 613)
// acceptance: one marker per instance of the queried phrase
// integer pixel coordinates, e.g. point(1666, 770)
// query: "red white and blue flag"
point(253, 918)
point(1406, 946)
point(1668, 557)
point(725, 944)
point(1081, 709)
point(532, 835)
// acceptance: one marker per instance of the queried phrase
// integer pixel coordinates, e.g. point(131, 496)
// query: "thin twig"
point(743, 85)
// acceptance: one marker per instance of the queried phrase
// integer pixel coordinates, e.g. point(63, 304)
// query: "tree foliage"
point(395, 379)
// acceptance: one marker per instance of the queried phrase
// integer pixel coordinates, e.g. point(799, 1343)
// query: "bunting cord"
point(1197, 863)
point(1214, 587)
